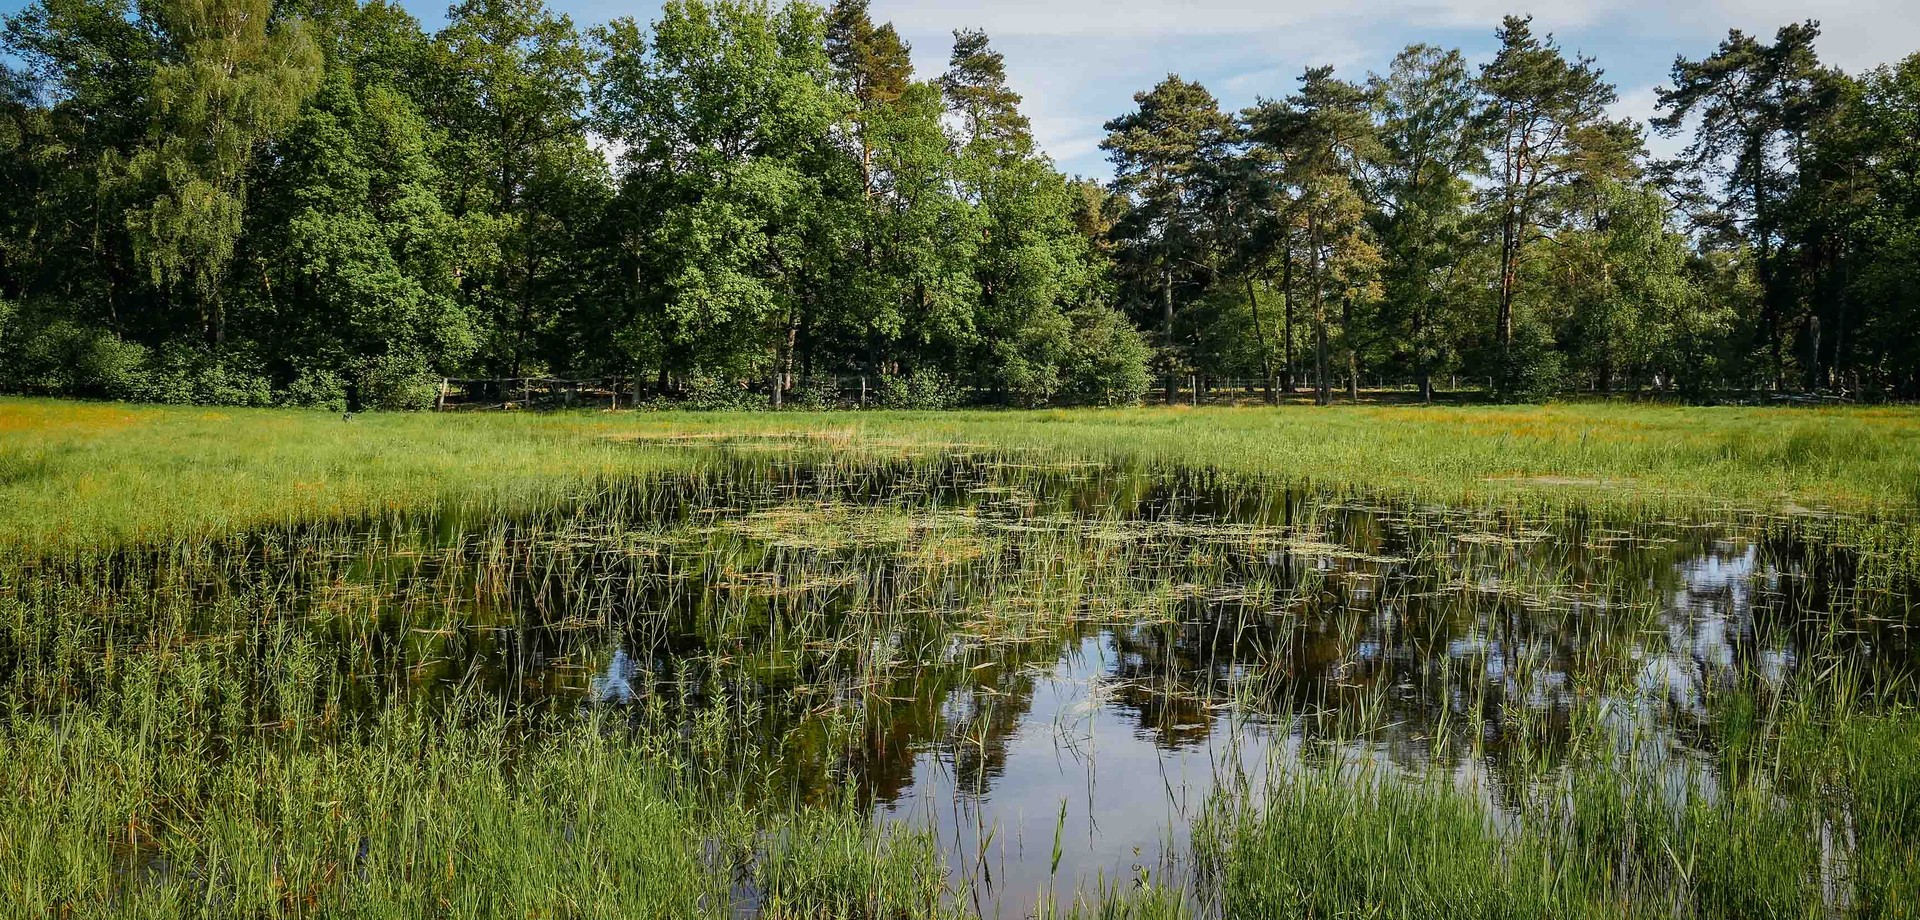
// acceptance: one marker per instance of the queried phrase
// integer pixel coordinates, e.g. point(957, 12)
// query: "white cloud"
point(1078, 62)
point(1148, 19)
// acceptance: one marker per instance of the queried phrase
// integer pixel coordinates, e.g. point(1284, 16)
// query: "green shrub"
point(397, 382)
point(1532, 369)
point(815, 393)
point(1027, 370)
point(319, 389)
point(192, 374)
point(918, 389)
point(718, 394)
point(113, 367)
point(1107, 363)
point(45, 357)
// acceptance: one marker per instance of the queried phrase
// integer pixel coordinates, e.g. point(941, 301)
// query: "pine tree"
point(1430, 148)
point(976, 87)
point(1537, 108)
point(1323, 134)
point(1168, 155)
point(1751, 102)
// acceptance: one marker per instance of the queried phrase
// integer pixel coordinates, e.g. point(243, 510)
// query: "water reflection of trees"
point(1423, 616)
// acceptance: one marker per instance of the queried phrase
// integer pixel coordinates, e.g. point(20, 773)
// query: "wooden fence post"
point(440, 405)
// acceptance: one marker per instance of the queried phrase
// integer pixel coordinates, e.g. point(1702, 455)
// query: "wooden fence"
point(852, 391)
point(457, 394)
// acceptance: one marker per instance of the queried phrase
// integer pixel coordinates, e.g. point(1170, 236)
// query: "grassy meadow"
point(76, 473)
point(1585, 660)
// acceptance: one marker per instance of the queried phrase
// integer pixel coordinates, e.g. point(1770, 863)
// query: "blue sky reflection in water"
point(615, 686)
point(992, 646)
point(1262, 628)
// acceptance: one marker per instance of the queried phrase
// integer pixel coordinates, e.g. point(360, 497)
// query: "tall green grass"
point(416, 818)
point(259, 664)
point(80, 473)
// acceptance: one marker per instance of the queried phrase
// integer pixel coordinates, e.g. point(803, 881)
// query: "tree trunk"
point(1321, 394)
point(1763, 268)
point(1286, 298)
point(1347, 345)
point(1811, 332)
point(1510, 230)
point(1509, 256)
point(776, 397)
point(525, 323)
point(1166, 331)
point(1260, 329)
point(1424, 370)
point(1836, 369)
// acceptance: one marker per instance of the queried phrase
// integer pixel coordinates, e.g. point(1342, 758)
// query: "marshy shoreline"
point(917, 665)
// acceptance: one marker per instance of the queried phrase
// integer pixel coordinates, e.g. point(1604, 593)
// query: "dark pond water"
point(1015, 654)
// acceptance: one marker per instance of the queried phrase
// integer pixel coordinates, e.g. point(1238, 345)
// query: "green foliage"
point(317, 389)
point(1167, 156)
point(397, 382)
point(63, 357)
point(1531, 368)
point(198, 375)
point(505, 88)
point(354, 246)
point(1749, 104)
point(241, 76)
point(1430, 144)
point(708, 393)
point(917, 389)
point(871, 61)
point(767, 192)
point(1106, 359)
point(1325, 136)
point(56, 356)
point(815, 393)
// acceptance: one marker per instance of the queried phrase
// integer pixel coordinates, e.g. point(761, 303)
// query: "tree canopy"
point(319, 202)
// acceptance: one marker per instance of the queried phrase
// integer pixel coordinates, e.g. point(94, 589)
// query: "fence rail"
point(482, 393)
point(458, 393)
point(853, 391)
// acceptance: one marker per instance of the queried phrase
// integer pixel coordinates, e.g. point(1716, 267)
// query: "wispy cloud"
point(1079, 62)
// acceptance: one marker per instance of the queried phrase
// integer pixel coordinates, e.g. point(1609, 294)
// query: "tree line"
point(318, 202)
point(1440, 219)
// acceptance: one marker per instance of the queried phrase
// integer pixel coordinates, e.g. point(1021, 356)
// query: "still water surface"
point(1015, 654)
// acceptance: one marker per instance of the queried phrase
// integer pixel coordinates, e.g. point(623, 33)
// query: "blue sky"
point(1078, 62)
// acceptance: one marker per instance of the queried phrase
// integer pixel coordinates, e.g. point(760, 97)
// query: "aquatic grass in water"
point(418, 820)
point(938, 683)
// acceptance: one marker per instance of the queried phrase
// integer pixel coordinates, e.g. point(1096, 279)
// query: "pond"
point(1051, 667)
